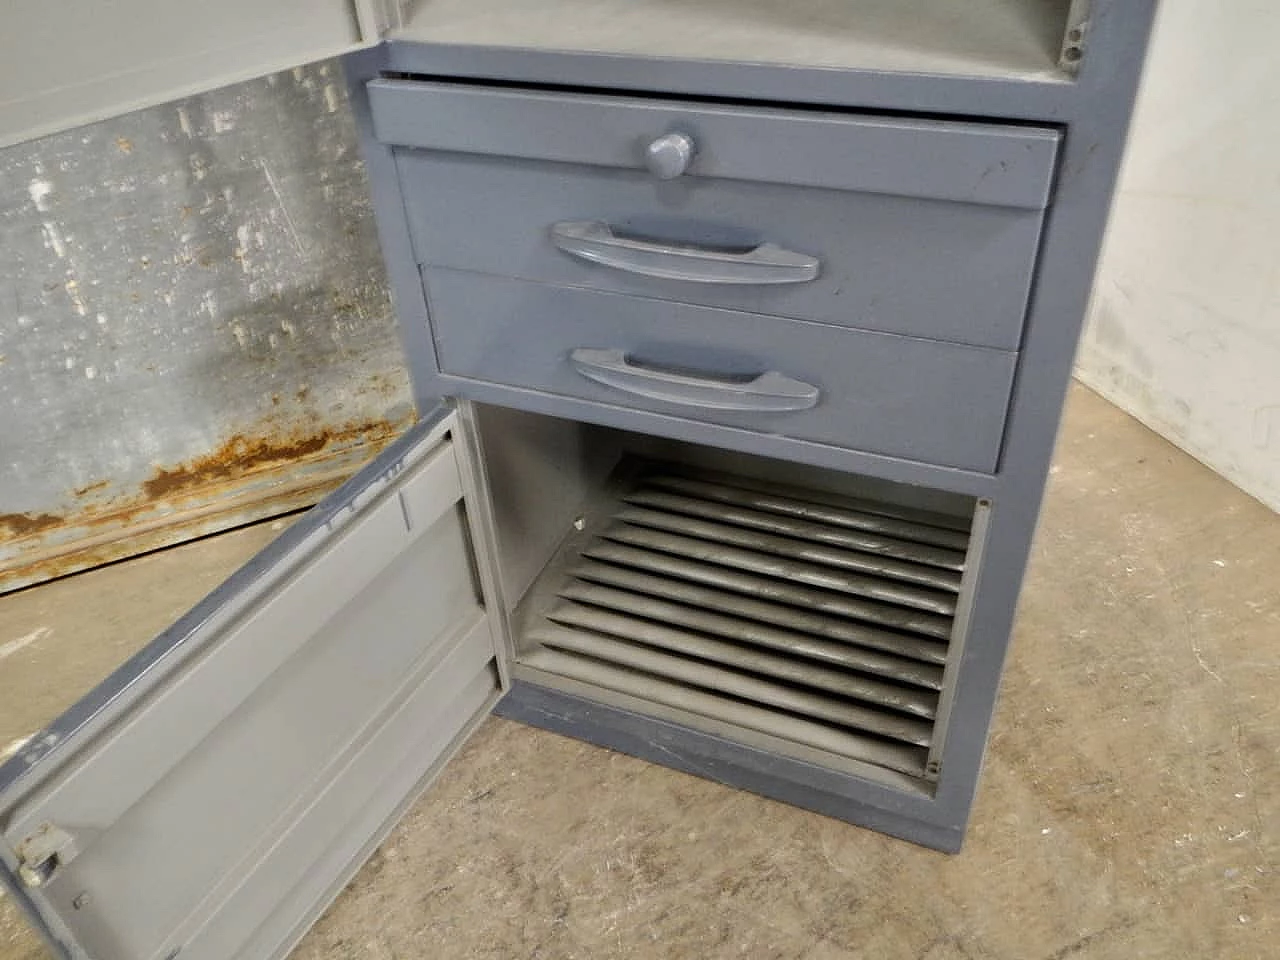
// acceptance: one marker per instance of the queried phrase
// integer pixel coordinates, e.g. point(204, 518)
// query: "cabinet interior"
point(796, 609)
point(1012, 39)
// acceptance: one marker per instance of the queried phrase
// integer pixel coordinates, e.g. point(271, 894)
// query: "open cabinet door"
point(68, 62)
point(213, 795)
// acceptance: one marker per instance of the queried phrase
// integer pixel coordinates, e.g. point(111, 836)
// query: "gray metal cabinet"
point(739, 357)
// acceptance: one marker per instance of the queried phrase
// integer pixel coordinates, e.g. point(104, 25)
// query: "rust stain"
point(249, 477)
point(130, 545)
point(90, 488)
point(25, 524)
point(242, 454)
point(124, 144)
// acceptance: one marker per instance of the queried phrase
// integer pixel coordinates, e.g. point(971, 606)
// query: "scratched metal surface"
point(194, 324)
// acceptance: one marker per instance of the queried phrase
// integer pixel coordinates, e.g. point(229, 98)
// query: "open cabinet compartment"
point(808, 613)
point(214, 794)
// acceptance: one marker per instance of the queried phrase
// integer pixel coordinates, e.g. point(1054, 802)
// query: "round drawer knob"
point(669, 156)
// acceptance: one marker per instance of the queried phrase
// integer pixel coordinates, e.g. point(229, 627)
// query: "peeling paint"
point(52, 240)
point(39, 191)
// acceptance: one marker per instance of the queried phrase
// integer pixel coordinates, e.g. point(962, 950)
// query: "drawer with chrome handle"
point(765, 263)
point(925, 400)
point(922, 227)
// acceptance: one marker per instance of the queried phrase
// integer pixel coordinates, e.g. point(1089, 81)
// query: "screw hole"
point(1072, 54)
point(1076, 35)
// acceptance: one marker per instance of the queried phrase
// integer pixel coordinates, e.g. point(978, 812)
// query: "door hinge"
point(40, 855)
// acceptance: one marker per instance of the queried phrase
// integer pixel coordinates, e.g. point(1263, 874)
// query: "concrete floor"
point(1130, 805)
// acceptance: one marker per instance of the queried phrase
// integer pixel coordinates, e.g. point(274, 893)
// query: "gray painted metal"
point(1000, 38)
point(905, 634)
point(685, 642)
point(932, 622)
point(651, 686)
point(985, 163)
point(743, 440)
point(826, 638)
point(895, 809)
point(115, 57)
point(763, 263)
point(768, 392)
point(948, 532)
point(745, 631)
point(885, 549)
point(195, 329)
point(861, 579)
point(513, 332)
point(1093, 110)
point(786, 543)
point(692, 666)
point(215, 723)
point(927, 268)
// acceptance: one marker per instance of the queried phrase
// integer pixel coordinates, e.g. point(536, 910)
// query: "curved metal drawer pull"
point(769, 392)
point(768, 263)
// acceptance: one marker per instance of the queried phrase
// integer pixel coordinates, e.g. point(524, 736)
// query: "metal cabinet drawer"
point(920, 227)
point(924, 400)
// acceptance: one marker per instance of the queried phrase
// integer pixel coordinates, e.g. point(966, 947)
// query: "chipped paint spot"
point(73, 291)
point(223, 121)
point(184, 122)
point(124, 144)
point(53, 241)
point(90, 372)
point(331, 98)
point(39, 191)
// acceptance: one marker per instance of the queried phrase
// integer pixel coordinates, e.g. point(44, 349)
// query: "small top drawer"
point(922, 227)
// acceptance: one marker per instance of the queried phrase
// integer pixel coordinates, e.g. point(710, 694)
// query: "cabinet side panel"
point(64, 63)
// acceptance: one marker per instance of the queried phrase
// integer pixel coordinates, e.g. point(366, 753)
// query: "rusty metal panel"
point(195, 330)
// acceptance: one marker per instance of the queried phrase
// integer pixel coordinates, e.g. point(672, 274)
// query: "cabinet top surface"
point(1005, 39)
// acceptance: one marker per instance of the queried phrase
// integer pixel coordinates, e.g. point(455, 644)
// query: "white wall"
point(1184, 331)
